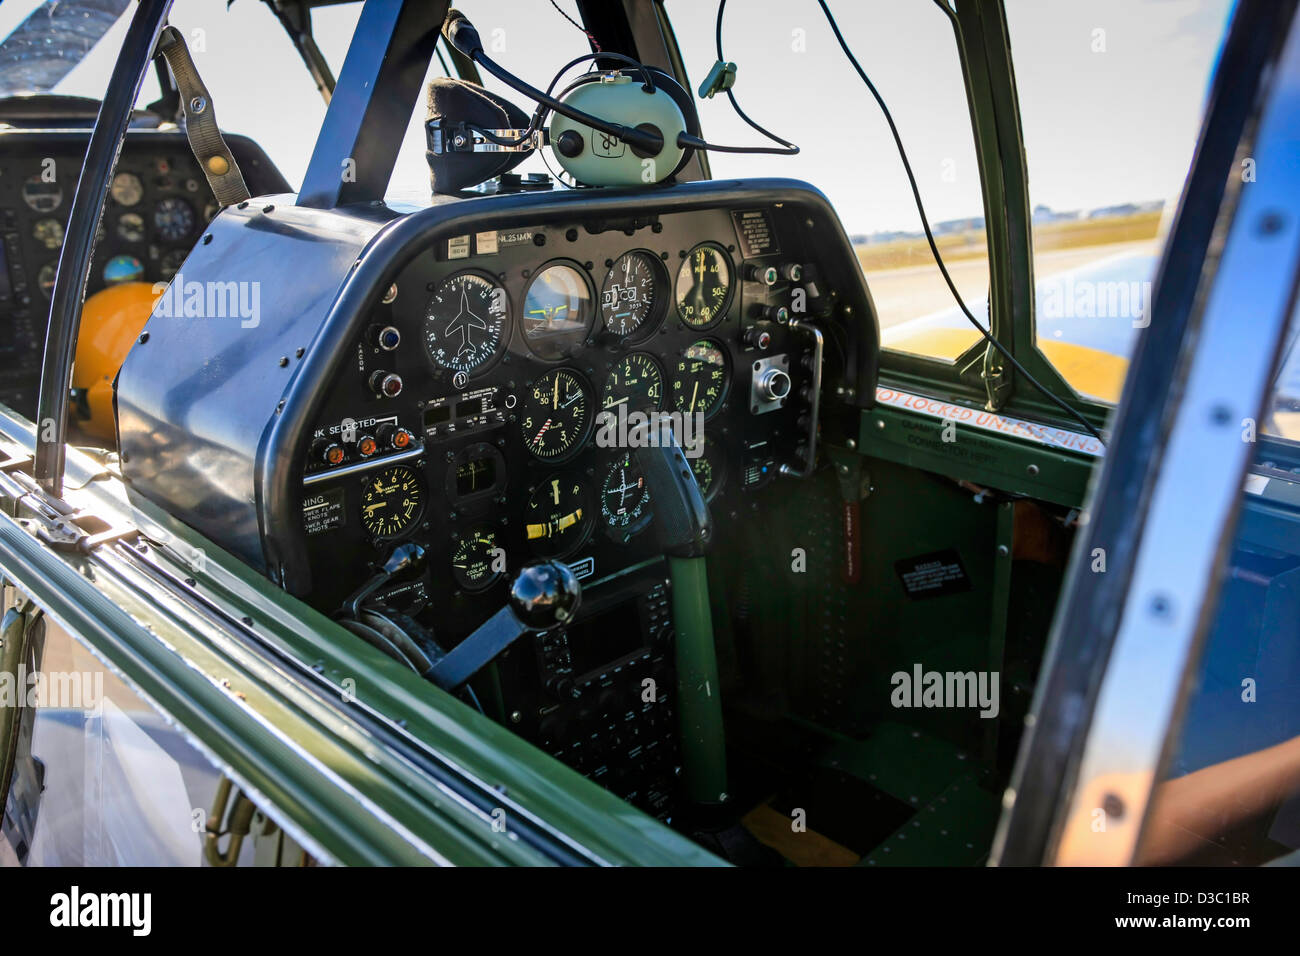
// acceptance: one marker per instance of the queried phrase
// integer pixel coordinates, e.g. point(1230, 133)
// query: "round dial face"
point(699, 378)
point(557, 311)
point(474, 560)
point(635, 381)
point(130, 226)
point(709, 470)
point(173, 218)
point(45, 278)
point(391, 501)
point(630, 293)
point(42, 196)
point(123, 269)
point(558, 516)
point(555, 414)
point(171, 263)
point(48, 232)
point(624, 498)
point(127, 189)
point(703, 286)
point(464, 322)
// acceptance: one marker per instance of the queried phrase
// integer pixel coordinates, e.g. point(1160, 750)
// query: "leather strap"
point(209, 148)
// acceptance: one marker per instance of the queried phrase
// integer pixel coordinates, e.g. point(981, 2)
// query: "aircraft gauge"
point(555, 414)
point(631, 293)
point(558, 516)
point(391, 501)
point(464, 322)
point(704, 286)
point(474, 560)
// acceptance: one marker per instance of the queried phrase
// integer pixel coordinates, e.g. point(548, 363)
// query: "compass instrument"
point(464, 322)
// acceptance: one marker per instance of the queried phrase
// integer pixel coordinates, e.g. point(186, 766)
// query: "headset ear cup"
point(460, 101)
point(685, 103)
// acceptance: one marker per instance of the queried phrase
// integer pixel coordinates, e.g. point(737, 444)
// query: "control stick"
point(544, 594)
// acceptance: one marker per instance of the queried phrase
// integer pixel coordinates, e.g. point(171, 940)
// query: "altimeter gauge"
point(631, 294)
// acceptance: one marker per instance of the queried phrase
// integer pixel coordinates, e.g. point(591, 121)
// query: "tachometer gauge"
point(474, 560)
point(709, 469)
point(42, 196)
point(173, 218)
point(391, 501)
point(555, 414)
point(635, 381)
point(130, 226)
point(464, 322)
point(699, 378)
point(558, 517)
point(127, 189)
point(557, 311)
point(624, 498)
point(48, 232)
point(630, 294)
point(703, 286)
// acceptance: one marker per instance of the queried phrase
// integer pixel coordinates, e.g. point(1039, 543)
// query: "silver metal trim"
point(357, 467)
point(480, 144)
point(1195, 500)
point(811, 461)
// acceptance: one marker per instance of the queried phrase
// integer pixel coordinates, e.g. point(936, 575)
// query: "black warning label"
point(932, 575)
point(755, 231)
point(323, 511)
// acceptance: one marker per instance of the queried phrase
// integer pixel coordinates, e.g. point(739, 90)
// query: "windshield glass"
point(57, 46)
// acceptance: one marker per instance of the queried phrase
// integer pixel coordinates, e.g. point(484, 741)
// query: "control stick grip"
point(682, 520)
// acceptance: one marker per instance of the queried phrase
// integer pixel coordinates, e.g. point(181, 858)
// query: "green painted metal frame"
point(984, 48)
point(699, 699)
point(339, 749)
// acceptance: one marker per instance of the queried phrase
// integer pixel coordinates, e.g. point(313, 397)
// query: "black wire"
point(790, 148)
point(925, 223)
point(588, 33)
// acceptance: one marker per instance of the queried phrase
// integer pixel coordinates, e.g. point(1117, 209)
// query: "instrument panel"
point(493, 397)
point(158, 204)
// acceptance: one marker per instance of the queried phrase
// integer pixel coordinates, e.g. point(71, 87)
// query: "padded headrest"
point(460, 101)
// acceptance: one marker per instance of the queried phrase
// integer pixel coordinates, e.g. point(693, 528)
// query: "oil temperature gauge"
point(476, 561)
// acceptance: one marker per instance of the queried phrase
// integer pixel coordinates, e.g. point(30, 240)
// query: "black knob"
point(569, 143)
point(386, 384)
point(387, 337)
point(764, 274)
point(792, 271)
point(544, 594)
point(759, 336)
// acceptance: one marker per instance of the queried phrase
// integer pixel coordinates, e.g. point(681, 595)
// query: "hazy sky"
point(1102, 125)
